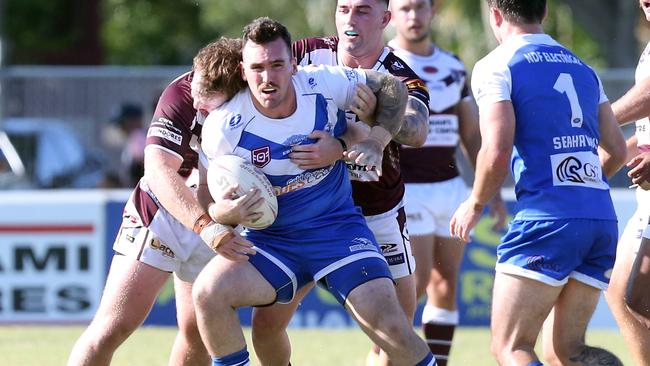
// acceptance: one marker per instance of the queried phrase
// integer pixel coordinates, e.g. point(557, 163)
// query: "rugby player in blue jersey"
point(319, 235)
point(543, 110)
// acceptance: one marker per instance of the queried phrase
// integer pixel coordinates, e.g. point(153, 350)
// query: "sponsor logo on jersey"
point(166, 124)
point(304, 180)
point(165, 135)
point(416, 84)
point(261, 156)
point(395, 259)
point(396, 65)
point(328, 41)
point(312, 82)
point(387, 248)
point(234, 121)
point(581, 168)
point(165, 250)
point(362, 244)
point(430, 69)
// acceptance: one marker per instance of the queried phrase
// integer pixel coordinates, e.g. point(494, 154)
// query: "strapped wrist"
point(214, 235)
point(201, 222)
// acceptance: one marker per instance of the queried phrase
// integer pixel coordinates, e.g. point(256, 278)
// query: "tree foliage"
point(169, 32)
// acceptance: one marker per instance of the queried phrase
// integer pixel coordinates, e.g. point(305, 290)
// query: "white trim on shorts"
point(283, 267)
point(512, 269)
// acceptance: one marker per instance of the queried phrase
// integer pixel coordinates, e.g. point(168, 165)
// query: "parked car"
point(46, 153)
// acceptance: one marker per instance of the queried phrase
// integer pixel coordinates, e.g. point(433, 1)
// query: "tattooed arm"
point(415, 126)
point(391, 97)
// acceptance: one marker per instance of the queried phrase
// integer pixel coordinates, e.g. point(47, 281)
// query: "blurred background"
point(89, 72)
point(78, 83)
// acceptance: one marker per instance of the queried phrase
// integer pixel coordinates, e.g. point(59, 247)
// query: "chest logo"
point(261, 156)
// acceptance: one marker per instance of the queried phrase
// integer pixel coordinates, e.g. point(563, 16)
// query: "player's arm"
point(612, 149)
point(415, 122)
point(635, 104)
point(470, 138)
point(391, 97)
point(497, 126)
point(161, 174)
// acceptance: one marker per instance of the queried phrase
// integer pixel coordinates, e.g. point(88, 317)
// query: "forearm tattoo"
point(416, 124)
point(391, 100)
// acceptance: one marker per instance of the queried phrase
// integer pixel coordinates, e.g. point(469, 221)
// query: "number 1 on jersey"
point(564, 85)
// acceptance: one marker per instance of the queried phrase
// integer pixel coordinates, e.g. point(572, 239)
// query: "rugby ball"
point(228, 170)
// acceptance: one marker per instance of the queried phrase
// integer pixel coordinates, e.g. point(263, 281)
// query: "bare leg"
point(270, 338)
point(519, 307)
point(188, 348)
point(637, 294)
point(130, 291)
point(565, 328)
point(443, 257)
point(637, 337)
point(375, 307)
point(405, 289)
point(218, 293)
point(423, 251)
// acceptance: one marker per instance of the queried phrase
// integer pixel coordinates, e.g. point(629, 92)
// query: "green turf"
point(44, 346)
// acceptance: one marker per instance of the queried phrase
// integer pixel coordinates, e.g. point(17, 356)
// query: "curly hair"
point(218, 63)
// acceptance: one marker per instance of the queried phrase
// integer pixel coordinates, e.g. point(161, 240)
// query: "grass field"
point(49, 346)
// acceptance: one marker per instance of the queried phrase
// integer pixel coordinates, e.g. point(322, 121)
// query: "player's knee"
point(205, 296)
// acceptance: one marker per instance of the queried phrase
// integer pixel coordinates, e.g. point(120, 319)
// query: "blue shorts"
point(339, 257)
point(554, 251)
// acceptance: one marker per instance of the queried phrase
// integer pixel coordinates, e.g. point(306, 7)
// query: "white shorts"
point(430, 206)
point(166, 244)
point(635, 229)
point(390, 231)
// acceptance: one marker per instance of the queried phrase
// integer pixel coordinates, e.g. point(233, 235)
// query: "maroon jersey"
point(373, 196)
point(176, 129)
point(446, 80)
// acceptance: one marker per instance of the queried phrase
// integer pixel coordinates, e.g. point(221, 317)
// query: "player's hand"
point(236, 248)
point(232, 209)
point(640, 169)
point(498, 211)
point(465, 218)
point(368, 152)
point(364, 103)
point(226, 242)
point(324, 152)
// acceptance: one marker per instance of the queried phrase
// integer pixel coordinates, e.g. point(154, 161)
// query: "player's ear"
point(241, 70)
point(385, 20)
point(294, 66)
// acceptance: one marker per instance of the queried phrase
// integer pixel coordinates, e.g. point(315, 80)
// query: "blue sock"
point(429, 360)
point(239, 358)
point(535, 363)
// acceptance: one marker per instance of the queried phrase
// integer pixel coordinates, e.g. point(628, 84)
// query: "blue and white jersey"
point(307, 199)
point(556, 98)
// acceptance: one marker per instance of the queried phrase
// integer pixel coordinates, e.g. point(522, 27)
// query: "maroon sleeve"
point(416, 87)
point(172, 123)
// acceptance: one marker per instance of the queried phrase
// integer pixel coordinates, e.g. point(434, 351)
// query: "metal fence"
point(88, 97)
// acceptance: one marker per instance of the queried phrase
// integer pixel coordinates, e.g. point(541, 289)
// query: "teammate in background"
point(554, 260)
point(634, 106)
point(319, 235)
point(156, 236)
point(434, 188)
point(360, 25)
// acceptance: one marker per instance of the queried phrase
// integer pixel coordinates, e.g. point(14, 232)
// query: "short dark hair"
point(218, 63)
point(264, 30)
point(520, 11)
